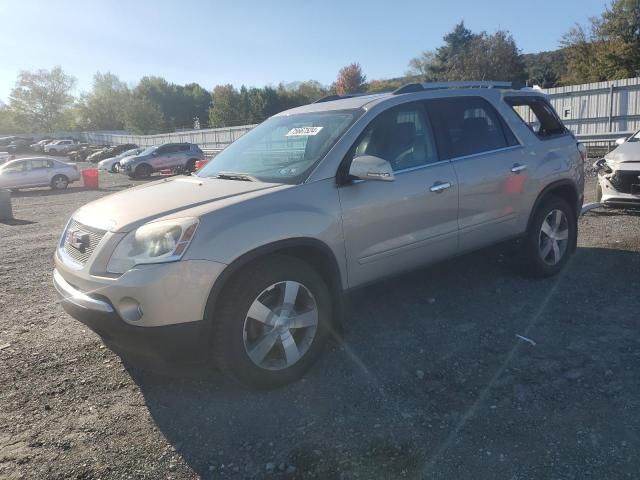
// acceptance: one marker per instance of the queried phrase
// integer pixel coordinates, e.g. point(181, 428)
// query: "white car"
point(59, 146)
point(37, 172)
point(5, 157)
point(112, 164)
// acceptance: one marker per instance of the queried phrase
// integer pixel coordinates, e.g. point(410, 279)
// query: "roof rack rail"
point(330, 98)
point(417, 87)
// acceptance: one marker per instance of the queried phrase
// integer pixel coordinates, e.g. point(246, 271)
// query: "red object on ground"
point(200, 164)
point(90, 179)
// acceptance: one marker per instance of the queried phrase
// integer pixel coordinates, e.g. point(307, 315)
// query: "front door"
point(390, 227)
point(15, 175)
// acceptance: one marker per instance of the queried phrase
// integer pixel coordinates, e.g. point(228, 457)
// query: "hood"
point(627, 152)
point(126, 210)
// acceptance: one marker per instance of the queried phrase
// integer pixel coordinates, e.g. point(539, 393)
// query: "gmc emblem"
point(79, 240)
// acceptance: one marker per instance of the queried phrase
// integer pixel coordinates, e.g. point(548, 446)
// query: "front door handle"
point(517, 168)
point(439, 187)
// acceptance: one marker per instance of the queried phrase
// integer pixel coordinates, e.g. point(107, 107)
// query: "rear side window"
point(538, 115)
point(185, 148)
point(41, 163)
point(467, 126)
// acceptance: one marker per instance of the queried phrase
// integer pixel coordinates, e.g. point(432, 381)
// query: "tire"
point(546, 254)
point(190, 166)
point(236, 334)
point(59, 182)
point(598, 191)
point(143, 171)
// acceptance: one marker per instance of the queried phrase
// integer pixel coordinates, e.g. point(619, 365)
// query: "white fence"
point(212, 138)
point(599, 108)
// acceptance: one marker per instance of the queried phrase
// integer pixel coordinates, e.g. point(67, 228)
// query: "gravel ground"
point(431, 381)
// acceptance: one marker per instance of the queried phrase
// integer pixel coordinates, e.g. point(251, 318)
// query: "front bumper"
point(182, 342)
point(620, 194)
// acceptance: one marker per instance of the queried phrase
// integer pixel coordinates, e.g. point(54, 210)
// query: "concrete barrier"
point(6, 212)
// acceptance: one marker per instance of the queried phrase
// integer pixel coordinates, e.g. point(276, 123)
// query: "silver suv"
point(249, 259)
point(173, 156)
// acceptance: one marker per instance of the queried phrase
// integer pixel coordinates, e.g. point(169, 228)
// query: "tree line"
point(607, 48)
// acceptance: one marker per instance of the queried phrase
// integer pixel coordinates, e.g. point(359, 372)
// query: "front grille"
point(94, 236)
point(625, 182)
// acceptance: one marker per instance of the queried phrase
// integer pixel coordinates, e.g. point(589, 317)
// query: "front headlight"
point(155, 242)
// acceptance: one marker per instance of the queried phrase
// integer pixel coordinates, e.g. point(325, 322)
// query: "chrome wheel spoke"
point(291, 290)
point(263, 347)
point(260, 312)
point(544, 252)
point(557, 219)
point(547, 229)
point(304, 320)
point(291, 351)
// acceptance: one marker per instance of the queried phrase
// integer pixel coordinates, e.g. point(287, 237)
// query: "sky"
point(256, 43)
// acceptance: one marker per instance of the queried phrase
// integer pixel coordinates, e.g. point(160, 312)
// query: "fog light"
point(130, 309)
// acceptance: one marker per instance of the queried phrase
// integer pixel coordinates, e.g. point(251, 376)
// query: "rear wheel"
point(59, 182)
point(551, 237)
point(273, 322)
point(143, 171)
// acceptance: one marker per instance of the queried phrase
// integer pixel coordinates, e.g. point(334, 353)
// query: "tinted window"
point(538, 115)
point(185, 148)
point(402, 136)
point(467, 125)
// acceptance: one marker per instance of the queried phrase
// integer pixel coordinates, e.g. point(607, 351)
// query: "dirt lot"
point(431, 381)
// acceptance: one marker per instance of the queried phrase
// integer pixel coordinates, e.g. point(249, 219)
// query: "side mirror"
point(368, 167)
point(620, 141)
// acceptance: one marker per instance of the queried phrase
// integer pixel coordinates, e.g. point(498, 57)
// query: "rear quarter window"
point(538, 116)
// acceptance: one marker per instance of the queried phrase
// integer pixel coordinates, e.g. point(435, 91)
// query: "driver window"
point(402, 136)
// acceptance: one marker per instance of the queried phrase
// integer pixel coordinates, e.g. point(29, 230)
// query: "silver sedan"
point(37, 172)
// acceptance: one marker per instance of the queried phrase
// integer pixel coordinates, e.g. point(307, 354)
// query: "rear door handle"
point(517, 168)
point(439, 187)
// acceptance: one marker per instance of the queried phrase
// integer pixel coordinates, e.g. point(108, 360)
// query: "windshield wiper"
point(235, 176)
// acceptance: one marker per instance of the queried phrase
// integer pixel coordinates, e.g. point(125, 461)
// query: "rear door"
point(490, 164)
point(390, 227)
point(40, 171)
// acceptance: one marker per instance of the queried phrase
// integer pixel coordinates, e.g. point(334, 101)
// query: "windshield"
point(147, 151)
point(282, 149)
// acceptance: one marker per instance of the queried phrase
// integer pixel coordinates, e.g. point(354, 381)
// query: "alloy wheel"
point(554, 237)
point(280, 325)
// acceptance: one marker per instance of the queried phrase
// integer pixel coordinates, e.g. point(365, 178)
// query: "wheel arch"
point(310, 250)
point(565, 189)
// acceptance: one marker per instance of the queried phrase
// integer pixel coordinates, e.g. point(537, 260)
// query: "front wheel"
point(273, 322)
point(551, 238)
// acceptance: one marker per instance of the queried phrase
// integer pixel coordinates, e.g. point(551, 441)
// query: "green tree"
point(7, 120)
point(606, 49)
point(545, 69)
point(351, 79)
point(226, 107)
point(144, 117)
point(40, 99)
point(105, 107)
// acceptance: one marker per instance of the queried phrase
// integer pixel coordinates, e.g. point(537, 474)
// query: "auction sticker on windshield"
point(303, 131)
